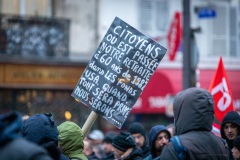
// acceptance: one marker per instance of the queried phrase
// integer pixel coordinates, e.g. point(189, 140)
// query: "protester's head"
point(193, 110)
point(107, 142)
point(230, 127)
point(138, 132)
point(236, 148)
point(88, 150)
point(96, 137)
point(121, 143)
point(42, 130)
point(70, 139)
point(159, 136)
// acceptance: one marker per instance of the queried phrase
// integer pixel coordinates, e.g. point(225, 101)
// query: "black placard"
point(118, 72)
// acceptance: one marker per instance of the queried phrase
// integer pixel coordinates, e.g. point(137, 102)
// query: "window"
point(153, 17)
point(220, 34)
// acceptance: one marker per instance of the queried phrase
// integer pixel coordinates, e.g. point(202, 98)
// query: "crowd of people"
point(190, 138)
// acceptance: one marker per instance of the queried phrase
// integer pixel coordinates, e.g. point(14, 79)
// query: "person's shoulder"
point(29, 146)
point(23, 149)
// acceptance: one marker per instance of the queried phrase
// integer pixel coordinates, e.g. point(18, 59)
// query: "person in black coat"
point(125, 148)
point(107, 145)
point(230, 129)
point(193, 116)
point(138, 132)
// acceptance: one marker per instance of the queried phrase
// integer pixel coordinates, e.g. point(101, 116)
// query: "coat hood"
point(10, 125)
point(70, 139)
point(153, 135)
point(193, 111)
point(40, 129)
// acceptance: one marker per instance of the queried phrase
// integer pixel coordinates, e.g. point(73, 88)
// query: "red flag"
point(174, 36)
point(222, 93)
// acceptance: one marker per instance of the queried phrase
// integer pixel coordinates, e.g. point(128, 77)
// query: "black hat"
point(123, 141)
point(236, 143)
point(109, 137)
point(230, 117)
point(137, 127)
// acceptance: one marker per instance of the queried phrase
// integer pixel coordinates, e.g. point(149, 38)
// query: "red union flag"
point(174, 36)
point(221, 91)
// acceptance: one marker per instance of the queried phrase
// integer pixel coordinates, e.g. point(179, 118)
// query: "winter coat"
point(70, 139)
point(146, 149)
point(19, 149)
point(12, 146)
point(230, 117)
point(155, 130)
point(193, 113)
point(136, 154)
point(93, 156)
point(41, 129)
point(108, 156)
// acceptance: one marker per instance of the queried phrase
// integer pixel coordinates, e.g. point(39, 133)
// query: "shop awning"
point(159, 92)
point(158, 95)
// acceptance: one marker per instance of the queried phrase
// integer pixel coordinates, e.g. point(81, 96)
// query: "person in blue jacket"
point(12, 145)
point(159, 136)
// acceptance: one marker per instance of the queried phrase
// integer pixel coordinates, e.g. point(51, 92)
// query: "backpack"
point(179, 148)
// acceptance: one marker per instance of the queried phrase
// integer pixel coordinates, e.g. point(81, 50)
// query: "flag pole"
point(89, 123)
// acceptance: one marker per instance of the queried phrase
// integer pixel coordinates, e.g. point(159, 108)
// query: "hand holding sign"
point(118, 72)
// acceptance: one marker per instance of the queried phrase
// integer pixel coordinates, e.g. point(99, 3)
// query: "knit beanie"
point(123, 141)
point(40, 129)
point(137, 127)
point(236, 143)
point(230, 117)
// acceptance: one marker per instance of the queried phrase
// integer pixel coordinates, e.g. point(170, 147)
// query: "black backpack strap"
point(179, 148)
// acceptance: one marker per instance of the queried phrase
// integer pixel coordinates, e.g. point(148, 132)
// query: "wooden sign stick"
point(89, 123)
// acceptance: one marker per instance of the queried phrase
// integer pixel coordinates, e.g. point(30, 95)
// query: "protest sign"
point(118, 72)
